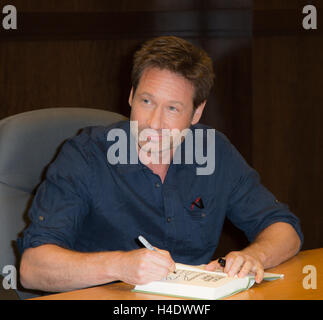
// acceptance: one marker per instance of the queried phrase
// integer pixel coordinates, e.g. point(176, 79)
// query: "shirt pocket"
point(200, 230)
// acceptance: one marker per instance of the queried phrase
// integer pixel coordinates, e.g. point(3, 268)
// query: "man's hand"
point(272, 246)
point(240, 263)
point(142, 266)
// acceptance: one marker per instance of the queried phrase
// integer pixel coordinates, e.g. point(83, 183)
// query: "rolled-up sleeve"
point(252, 207)
point(62, 200)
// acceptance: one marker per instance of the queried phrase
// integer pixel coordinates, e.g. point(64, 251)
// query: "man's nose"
point(155, 120)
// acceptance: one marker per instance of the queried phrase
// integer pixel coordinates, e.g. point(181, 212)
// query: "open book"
point(197, 283)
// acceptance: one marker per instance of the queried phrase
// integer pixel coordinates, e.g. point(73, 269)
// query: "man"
point(90, 210)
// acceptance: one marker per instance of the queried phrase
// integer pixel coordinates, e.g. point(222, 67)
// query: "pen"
point(147, 244)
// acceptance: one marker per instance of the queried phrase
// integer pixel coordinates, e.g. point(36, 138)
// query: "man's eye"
point(172, 108)
point(146, 101)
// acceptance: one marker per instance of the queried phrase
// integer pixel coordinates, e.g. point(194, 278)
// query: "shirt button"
point(157, 184)
point(169, 219)
point(41, 218)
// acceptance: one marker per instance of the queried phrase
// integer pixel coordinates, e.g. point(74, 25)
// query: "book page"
point(193, 277)
point(200, 268)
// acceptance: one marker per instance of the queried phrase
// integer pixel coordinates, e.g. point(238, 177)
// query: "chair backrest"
point(28, 143)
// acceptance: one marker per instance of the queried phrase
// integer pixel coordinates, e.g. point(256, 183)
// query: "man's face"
point(163, 100)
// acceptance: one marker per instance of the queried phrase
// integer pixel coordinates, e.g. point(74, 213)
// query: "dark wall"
point(287, 103)
point(267, 93)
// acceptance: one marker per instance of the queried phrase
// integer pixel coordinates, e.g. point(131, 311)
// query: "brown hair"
point(179, 56)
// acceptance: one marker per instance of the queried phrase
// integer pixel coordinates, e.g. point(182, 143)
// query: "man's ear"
point(198, 113)
point(130, 97)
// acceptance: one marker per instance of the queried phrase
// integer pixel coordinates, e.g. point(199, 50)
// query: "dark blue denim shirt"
point(89, 205)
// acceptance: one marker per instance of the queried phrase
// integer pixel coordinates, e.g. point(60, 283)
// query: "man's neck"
point(159, 169)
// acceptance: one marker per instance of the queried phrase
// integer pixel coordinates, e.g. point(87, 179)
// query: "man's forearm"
point(275, 244)
point(52, 268)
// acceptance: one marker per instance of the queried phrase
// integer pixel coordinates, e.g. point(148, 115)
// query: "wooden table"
point(289, 288)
